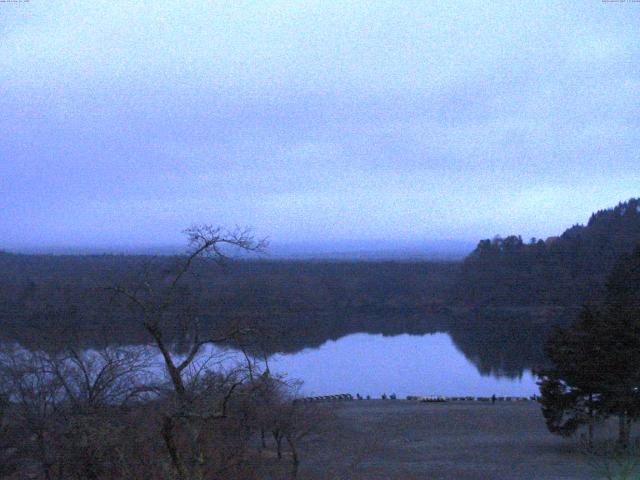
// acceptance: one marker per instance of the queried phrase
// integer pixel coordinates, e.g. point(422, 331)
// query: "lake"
point(373, 364)
point(479, 354)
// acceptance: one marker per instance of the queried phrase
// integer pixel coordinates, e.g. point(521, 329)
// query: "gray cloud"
point(334, 121)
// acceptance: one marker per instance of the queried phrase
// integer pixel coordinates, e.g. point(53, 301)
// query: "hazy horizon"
point(320, 124)
point(370, 250)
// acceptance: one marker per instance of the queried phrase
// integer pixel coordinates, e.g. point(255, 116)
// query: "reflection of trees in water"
point(498, 344)
point(505, 343)
point(498, 353)
point(295, 305)
point(312, 331)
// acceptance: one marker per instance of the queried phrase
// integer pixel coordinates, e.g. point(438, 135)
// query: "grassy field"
point(465, 440)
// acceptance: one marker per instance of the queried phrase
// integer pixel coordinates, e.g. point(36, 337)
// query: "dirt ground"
point(455, 440)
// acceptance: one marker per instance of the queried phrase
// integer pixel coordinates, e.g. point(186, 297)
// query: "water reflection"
point(371, 352)
point(372, 364)
point(504, 345)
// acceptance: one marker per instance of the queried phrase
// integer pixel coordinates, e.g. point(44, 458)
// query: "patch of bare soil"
point(406, 440)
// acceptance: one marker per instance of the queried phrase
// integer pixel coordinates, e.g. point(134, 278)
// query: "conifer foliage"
point(595, 369)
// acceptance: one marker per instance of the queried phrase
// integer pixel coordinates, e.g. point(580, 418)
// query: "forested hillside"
point(64, 294)
point(566, 270)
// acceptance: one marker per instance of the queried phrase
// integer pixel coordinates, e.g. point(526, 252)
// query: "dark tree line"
point(568, 270)
point(57, 294)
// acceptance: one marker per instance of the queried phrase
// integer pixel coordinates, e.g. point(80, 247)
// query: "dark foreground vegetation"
point(110, 413)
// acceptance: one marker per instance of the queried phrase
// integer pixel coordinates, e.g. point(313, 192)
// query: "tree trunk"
point(169, 440)
point(46, 465)
point(278, 438)
point(196, 460)
point(591, 422)
point(623, 430)
point(294, 458)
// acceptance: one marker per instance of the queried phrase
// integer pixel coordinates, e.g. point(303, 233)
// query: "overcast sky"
point(317, 122)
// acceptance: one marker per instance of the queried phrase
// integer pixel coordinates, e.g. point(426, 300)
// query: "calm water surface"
point(405, 364)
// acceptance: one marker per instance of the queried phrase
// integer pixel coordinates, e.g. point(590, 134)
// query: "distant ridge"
point(443, 250)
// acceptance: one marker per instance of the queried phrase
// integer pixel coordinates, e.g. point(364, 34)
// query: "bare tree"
point(165, 298)
point(65, 406)
point(34, 394)
point(94, 379)
point(9, 458)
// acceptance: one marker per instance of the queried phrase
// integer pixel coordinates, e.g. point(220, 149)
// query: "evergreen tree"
point(571, 389)
point(595, 369)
